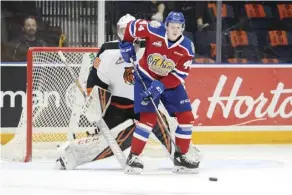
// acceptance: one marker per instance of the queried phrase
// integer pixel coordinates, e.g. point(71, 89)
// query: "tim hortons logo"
point(245, 106)
point(40, 99)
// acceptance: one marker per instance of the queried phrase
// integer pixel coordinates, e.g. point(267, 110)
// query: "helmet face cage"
point(122, 23)
point(121, 30)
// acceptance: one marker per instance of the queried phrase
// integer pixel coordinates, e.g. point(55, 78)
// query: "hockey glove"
point(127, 51)
point(155, 90)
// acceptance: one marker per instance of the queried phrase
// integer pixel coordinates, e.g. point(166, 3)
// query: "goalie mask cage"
point(51, 113)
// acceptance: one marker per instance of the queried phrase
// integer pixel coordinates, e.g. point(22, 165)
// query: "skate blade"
point(132, 171)
point(184, 170)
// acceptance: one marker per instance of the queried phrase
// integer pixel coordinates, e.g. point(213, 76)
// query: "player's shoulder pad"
point(107, 46)
point(157, 28)
point(188, 45)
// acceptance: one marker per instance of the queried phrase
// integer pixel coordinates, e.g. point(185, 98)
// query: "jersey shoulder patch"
point(157, 28)
point(155, 24)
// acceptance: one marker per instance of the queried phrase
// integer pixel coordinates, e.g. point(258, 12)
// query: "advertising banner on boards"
point(231, 103)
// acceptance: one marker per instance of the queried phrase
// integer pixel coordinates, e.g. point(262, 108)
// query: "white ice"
point(240, 169)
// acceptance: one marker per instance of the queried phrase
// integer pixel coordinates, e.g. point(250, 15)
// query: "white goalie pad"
point(96, 104)
point(79, 151)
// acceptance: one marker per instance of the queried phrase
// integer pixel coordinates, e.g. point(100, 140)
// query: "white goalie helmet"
point(122, 23)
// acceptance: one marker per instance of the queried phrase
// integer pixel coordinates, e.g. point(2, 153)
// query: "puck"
point(213, 178)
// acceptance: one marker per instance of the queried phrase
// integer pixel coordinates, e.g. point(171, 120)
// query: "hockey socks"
point(140, 137)
point(183, 131)
point(183, 135)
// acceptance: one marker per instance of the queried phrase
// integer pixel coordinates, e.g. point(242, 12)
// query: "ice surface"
point(240, 169)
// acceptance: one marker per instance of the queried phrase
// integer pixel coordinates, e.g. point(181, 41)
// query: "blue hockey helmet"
point(175, 17)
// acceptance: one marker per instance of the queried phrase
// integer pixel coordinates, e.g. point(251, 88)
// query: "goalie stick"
point(101, 123)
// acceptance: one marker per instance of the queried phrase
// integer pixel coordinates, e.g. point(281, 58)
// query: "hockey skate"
point(184, 163)
point(134, 165)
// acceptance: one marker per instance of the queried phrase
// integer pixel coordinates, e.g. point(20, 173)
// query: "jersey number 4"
point(187, 64)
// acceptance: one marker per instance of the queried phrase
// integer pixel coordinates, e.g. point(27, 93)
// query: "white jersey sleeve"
point(103, 69)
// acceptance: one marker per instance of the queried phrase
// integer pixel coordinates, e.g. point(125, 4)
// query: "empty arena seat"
point(244, 45)
point(279, 38)
point(280, 43)
point(260, 16)
point(237, 60)
point(270, 61)
point(228, 16)
point(285, 11)
point(202, 60)
point(285, 15)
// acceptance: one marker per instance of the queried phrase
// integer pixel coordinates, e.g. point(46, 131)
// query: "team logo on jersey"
point(155, 24)
point(96, 62)
point(129, 76)
point(157, 43)
point(159, 64)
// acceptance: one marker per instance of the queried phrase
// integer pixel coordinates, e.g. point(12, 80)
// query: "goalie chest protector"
point(115, 72)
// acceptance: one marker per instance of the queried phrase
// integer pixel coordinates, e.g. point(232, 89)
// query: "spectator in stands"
point(201, 7)
point(154, 10)
point(18, 48)
point(160, 7)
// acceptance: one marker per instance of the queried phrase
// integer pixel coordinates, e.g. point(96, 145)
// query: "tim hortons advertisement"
point(241, 96)
point(241, 105)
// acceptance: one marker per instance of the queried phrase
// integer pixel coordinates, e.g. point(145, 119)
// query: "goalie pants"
point(116, 115)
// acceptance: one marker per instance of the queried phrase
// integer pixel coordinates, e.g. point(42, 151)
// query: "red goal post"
point(30, 62)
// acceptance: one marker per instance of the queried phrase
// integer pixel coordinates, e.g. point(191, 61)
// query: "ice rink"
point(240, 169)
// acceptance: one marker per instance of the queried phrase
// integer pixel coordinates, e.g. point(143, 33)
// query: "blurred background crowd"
point(252, 31)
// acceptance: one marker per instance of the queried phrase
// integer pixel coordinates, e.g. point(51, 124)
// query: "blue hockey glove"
point(155, 90)
point(127, 51)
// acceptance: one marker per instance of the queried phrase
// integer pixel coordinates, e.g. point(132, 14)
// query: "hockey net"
point(52, 114)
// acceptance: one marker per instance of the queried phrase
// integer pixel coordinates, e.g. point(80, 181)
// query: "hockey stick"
point(177, 149)
point(101, 123)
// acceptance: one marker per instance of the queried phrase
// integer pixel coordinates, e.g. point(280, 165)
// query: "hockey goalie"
point(112, 73)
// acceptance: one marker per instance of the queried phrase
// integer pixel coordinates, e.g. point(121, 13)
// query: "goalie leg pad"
point(77, 152)
point(85, 150)
point(123, 134)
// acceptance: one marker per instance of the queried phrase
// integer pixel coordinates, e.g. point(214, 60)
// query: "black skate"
point(184, 163)
point(134, 165)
